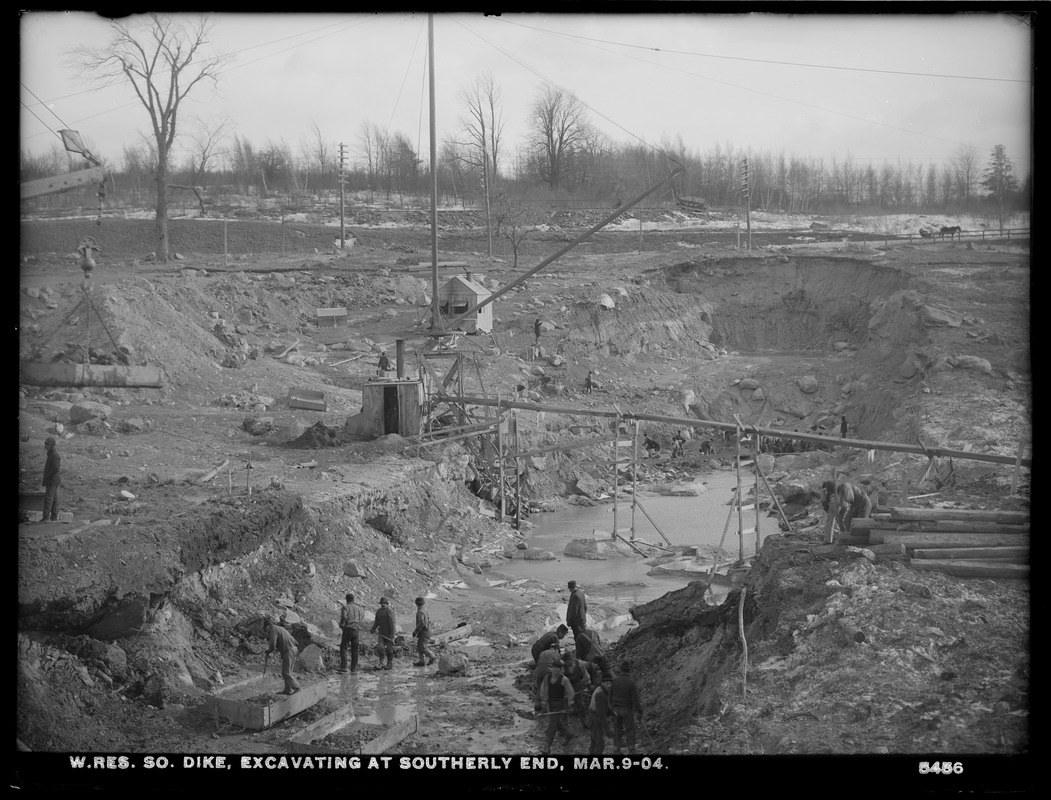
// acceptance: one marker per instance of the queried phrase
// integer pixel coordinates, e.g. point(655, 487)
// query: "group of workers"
point(579, 682)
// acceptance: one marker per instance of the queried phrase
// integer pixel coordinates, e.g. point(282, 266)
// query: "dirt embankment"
point(912, 332)
point(943, 665)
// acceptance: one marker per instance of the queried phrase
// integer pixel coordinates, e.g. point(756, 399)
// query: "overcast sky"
point(885, 87)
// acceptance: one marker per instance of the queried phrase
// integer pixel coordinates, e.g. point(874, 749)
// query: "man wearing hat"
point(52, 480)
point(281, 640)
point(385, 627)
point(351, 619)
point(543, 664)
point(576, 617)
point(545, 641)
point(626, 705)
point(554, 699)
point(422, 635)
point(599, 714)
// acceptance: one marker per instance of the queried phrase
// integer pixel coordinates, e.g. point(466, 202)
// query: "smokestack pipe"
point(399, 345)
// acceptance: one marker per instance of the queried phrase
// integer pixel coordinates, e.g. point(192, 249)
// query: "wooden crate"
point(307, 399)
point(377, 738)
point(234, 702)
point(330, 317)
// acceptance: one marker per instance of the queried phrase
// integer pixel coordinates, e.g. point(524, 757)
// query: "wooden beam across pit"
point(859, 444)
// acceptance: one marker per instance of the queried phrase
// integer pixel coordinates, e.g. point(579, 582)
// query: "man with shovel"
point(351, 619)
point(554, 699)
point(281, 640)
point(385, 627)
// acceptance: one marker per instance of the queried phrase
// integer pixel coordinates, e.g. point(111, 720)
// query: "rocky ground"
point(133, 611)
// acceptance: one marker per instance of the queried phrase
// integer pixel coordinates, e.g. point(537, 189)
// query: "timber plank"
point(967, 568)
point(939, 527)
point(959, 514)
point(451, 636)
point(923, 540)
point(879, 535)
point(1019, 555)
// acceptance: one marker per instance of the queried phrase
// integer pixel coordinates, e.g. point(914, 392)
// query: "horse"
point(952, 230)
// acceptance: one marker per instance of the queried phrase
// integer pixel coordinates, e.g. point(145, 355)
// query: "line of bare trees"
point(564, 158)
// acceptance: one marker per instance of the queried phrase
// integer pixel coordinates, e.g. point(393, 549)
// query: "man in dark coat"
point(576, 617)
point(598, 717)
point(422, 634)
point(52, 480)
point(351, 618)
point(842, 427)
point(853, 504)
point(385, 626)
point(545, 641)
point(536, 330)
point(626, 705)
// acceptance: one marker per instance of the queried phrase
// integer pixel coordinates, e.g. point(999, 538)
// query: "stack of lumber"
point(991, 544)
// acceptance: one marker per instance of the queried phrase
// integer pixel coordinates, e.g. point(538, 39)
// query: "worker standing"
point(589, 383)
point(576, 617)
point(384, 365)
point(384, 626)
point(598, 717)
point(842, 427)
point(545, 641)
point(554, 699)
point(626, 705)
point(52, 480)
point(422, 634)
point(536, 330)
point(351, 619)
point(281, 640)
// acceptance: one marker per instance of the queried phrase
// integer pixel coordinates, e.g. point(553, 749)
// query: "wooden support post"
point(500, 454)
point(518, 478)
point(740, 514)
point(777, 503)
point(616, 474)
point(726, 529)
point(634, 470)
point(642, 508)
point(755, 465)
point(225, 248)
point(744, 641)
point(1018, 468)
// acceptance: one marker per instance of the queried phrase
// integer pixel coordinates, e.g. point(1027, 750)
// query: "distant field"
point(135, 238)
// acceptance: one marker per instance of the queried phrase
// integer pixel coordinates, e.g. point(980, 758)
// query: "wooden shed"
point(460, 293)
point(391, 406)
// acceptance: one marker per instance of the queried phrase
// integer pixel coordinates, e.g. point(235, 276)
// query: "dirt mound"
point(317, 436)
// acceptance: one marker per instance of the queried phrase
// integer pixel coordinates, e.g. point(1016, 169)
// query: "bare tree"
point(319, 152)
point(965, 172)
point(557, 126)
point(483, 128)
point(368, 148)
point(516, 219)
point(162, 61)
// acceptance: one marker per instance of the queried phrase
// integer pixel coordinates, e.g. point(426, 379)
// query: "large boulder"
point(932, 316)
point(589, 487)
point(536, 554)
point(453, 664)
point(794, 492)
point(749, 383)
point(592, 549)
point(311, 659)
point(808, 384)
point(88, 409)
point(974, 363)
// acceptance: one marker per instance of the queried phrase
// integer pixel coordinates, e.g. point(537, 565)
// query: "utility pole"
point(747, 201)
point(342, 224)
point(435, 324)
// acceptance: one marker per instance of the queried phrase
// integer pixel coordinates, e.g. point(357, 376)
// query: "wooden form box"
point(232, 702)
point(331, 317)
point(377, 739)
point(307, 399)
